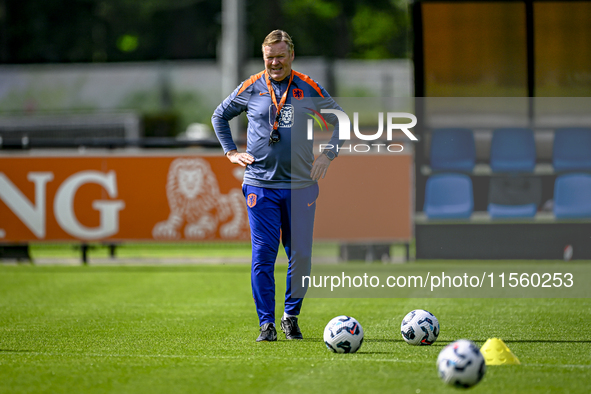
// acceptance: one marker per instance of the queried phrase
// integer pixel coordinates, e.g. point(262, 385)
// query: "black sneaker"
point(290, 327)
point(268, 333)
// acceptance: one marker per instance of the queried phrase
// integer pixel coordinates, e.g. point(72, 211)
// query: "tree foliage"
point(41, 31)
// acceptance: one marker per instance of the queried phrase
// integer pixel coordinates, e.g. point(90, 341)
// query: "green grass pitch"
point(192, 329)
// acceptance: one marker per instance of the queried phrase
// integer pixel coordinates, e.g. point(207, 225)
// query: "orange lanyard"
point(283, 98)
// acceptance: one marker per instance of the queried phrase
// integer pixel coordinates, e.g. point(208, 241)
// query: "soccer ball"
point(343, 334)
point(461, 364)
point(419, 327)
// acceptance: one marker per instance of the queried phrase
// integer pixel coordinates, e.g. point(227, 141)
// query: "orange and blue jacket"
point(285, 164)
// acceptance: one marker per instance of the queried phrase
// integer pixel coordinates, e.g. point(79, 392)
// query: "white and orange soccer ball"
point(460, 364)
point(343, 334)
point(419, 328)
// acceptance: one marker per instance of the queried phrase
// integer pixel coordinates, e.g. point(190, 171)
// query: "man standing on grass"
point(280, 193)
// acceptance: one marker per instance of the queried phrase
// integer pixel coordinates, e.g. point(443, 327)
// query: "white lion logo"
point(287, 115)
point(195, 199)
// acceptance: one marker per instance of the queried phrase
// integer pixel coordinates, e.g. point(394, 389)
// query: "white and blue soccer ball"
point(460, 364)
point(343, 334)
point(419, 328)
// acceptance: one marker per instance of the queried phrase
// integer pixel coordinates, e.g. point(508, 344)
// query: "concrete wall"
point(191, 88)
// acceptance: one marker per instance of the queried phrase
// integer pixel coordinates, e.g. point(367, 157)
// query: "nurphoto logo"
point(345, 130)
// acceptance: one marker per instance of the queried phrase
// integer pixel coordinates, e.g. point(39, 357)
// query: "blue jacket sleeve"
point(329, 103)
point(231, 107)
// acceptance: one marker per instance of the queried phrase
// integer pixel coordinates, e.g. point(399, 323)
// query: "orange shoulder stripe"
point(250, 81)
point(309, 81)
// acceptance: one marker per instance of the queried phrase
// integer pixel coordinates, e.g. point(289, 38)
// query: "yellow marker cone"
point(495, 352)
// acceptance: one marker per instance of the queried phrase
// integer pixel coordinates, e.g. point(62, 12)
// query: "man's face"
point(278, 60)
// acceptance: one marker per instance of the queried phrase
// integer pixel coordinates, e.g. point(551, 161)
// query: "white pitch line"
point(198, 356)
point(583, 366)
point(335, 357)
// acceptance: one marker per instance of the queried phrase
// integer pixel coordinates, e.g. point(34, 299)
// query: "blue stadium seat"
point(572, 196)
point(452, 149)
point(449, 196)
point(572, 149)
point(513, 150)
point(499, 211)
point(514, 196)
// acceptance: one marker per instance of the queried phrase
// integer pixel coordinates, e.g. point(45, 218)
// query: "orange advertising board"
point(366, 198)
point(112, 197)
point(170, 197)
